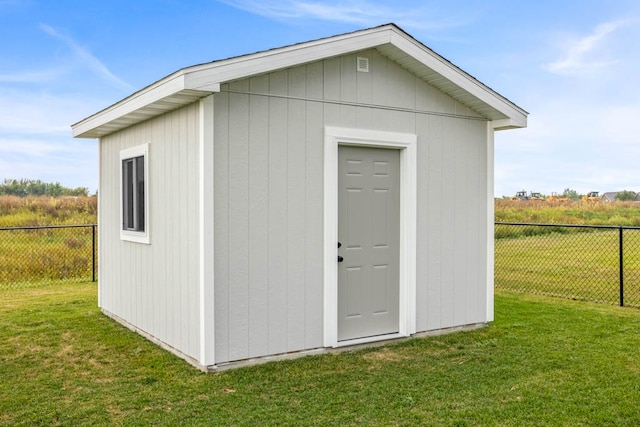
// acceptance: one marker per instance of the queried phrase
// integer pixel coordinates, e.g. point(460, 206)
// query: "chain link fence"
point(45, 255)
point(591, 263)
point(581, 262)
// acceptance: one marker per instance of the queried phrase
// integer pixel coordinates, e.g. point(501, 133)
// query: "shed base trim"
point(348, 346)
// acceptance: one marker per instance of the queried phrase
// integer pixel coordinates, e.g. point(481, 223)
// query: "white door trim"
point(407, 144)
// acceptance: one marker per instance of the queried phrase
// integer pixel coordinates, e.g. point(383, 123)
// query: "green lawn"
point(542, 362)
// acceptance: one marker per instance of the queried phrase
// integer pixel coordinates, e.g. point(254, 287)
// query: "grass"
point(29, 257)
point(579, 212)
point(42, 210)
point(542, 362)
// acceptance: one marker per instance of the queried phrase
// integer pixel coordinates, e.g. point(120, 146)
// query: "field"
point(34, 211)
point(576, 263)
point(579, 212)
point(583, 266)
point(37, 211)
point(542, 362)
point(45, 255)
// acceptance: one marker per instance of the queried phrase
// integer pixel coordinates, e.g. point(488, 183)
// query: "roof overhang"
point(190, 84)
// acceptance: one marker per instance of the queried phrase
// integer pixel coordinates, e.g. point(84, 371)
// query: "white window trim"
point(407, 144)
point(128, 235)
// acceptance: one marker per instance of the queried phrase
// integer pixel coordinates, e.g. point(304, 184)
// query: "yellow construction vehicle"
point(536, 196)
point(555, 198)
point(592, 196)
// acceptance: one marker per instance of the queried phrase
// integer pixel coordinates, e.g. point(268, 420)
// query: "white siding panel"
point(221, 225)
point(447, 225)
point(268, 199)
point(278, 249)
point(402, 87)
point(331, 75)
point(259, 218)
point(422, 229)
point(238, 223)
point(150, 286)
point(296, 224)
point(314, 200)
point(461, 198)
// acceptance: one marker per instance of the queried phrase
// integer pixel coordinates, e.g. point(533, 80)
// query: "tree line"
point(36, 187)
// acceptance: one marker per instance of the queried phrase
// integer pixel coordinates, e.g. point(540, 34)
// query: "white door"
point(369, 238)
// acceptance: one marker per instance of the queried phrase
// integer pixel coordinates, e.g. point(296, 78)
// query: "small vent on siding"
point(363, 64)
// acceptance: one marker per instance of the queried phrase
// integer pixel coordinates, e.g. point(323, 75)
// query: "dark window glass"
point(140, 193)
point(133, 207)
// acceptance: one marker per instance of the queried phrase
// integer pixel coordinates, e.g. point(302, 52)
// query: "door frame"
point(407, 144)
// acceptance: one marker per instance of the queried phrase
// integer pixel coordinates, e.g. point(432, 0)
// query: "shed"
point(319, 195)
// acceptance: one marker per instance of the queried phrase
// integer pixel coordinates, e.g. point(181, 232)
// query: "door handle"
point(340, 259)
point(339, 245)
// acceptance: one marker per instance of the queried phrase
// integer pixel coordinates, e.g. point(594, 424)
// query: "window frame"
point(126, 155)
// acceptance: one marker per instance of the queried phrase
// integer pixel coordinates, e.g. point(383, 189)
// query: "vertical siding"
point(155, 286)
point(238, 223)
point(268, 199)
point(314, 198)
point(221, 225)
point(278, 197)
point(258, 218)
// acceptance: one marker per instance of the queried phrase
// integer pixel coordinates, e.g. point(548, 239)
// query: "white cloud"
point(88, 59)
point(352, 12)
point(583, 53)
point(32, 76)
point(586, 147)
point(32, 112)
point(32, 147)
point(70, 162)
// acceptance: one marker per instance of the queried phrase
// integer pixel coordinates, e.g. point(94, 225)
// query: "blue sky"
point(574, 65)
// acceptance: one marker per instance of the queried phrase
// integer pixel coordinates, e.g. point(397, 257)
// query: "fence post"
point(93, 253)
point(621, 261)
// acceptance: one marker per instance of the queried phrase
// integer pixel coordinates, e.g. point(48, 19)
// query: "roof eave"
point(189, 84)
point(165, 95)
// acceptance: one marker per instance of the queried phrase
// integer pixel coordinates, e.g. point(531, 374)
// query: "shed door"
point(369, 234)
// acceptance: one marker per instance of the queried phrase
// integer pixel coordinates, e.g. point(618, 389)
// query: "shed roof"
point(189, 84)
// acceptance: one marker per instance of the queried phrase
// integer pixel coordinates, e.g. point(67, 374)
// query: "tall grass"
point(44, 256)
point(42, 210)
point(625, 214)
point(587, 213)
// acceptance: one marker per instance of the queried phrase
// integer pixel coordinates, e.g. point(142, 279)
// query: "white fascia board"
point(276, 59)
point(506, 124)
point(161, 89)
point(170, 85)
point(458, 77)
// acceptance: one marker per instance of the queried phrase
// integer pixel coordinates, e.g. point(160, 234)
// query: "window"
point(134, 194)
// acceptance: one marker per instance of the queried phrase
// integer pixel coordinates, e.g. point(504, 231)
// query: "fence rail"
point(47, 254)
point(598, 263)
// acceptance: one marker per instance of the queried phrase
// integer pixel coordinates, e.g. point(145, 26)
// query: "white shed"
point(319, 195)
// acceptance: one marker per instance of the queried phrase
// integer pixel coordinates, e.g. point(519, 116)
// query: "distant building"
point(611, 196)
